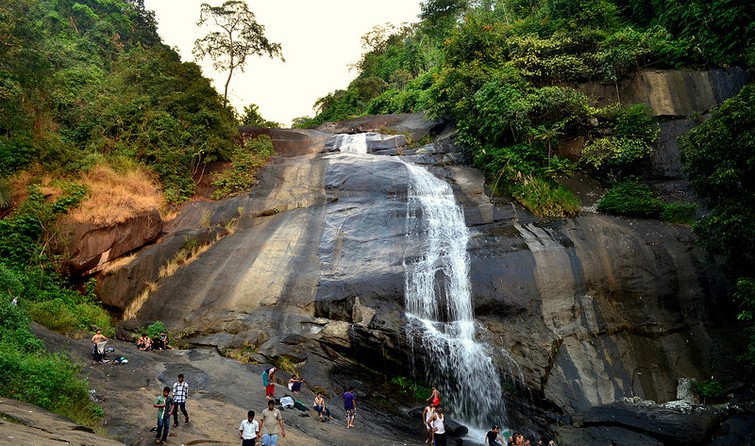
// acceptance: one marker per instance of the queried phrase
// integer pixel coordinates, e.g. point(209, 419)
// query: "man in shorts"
point(350, 406)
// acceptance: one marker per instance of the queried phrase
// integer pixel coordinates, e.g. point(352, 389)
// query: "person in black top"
point(491, 439)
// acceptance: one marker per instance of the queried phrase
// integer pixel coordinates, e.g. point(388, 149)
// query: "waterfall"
point(439, 304)
point(351, 143)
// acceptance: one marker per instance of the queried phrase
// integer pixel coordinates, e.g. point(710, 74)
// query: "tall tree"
point(239, 36)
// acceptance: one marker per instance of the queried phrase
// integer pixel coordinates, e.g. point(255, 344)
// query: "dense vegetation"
point(88, 94)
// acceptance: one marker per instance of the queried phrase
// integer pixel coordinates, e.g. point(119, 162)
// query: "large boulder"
point(671, 424)
point(415, 125)
point(88, 246)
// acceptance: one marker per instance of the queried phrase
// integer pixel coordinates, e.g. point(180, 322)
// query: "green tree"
point(718, 156)
point(252, 117)
point(240, 37)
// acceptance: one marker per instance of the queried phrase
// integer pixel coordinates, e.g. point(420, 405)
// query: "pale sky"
point(320, 38)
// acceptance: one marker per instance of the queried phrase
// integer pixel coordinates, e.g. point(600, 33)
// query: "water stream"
point(439, 303)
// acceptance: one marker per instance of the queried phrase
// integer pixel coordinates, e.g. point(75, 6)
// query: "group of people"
point(435, 428)
point(515, 439)
point(434, 420)
point(168, 406)
point(158, 342)
point(271, 425)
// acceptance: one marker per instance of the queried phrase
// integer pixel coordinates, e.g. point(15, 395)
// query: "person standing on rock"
point(427, 416)
point(271, 425)
point(98, 346)
point(249, 431)
point(434, 397)
point(439, 427)
point(164, 404)
point(350, 406)
point(180, 392)
point(268, 380)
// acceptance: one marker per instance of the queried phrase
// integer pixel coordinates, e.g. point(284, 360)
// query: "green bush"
point(630, 134)
point(630, 199)
point(679, 212)
point(710, 389)
point(546, 200)
point(155, 329)
point(410, 388)
point(245, 164)
point(32, 375)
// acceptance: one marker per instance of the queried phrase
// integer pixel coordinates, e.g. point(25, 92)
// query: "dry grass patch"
point(113, 197)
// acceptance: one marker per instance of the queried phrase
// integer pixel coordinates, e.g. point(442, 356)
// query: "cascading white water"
point(439, 303)
point(351, 143)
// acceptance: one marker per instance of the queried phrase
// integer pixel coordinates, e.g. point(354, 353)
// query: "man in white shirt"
point(180, 392)
point(249, 430)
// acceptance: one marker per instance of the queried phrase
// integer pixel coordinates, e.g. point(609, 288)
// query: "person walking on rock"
point(271, 425)
point(350, 406)
point(249, 431)
point(164, 404)
point(180, 392)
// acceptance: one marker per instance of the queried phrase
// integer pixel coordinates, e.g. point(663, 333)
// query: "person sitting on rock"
point(321, 407)
point(294, 384)
point(144, 343)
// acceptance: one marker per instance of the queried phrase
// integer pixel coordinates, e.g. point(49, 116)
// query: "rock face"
point(672, 93)
point(89, 246)
point(582, 312)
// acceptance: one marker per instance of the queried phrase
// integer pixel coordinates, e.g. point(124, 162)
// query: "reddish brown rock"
point(88, 246)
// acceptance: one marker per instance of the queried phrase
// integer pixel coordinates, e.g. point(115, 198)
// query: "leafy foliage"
point(29, 373)
point(245, 163)
point(710, 389)
point(252, 117)
point(631, 199)
point(718, 156)
point(745, 296)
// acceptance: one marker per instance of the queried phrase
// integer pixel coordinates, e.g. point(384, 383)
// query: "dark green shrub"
point(626, 136)
point(745, 297)
point(410, 388)
point(546, 200)
point(155, 329)
point(630, 199)
point(710, 389)
point(679, 212)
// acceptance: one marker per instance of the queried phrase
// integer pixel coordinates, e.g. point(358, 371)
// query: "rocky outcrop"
point(413, 124)
point(292, 142)
point(87, 247)
point(672, 93)
point(23, 423)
